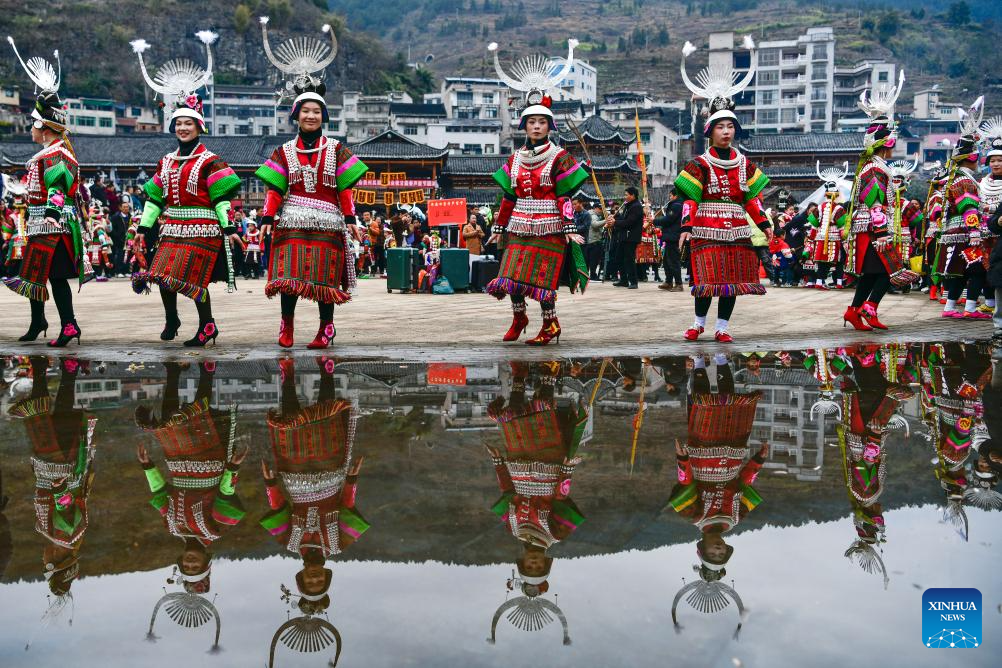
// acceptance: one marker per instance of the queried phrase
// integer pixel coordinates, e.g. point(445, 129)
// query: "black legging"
point(725, 306)
point(871, 287)
point(63, 296)
point(289, 400)
point(169, 299)
point(973, 279)
point(289, 308)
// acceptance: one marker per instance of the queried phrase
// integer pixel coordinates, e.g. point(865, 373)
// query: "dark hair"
point(630, 190)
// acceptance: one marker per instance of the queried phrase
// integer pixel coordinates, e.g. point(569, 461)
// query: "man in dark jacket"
point(796, 236)
point(98, 191)
point(629, 225)
point(120, 221)
point(671, 229)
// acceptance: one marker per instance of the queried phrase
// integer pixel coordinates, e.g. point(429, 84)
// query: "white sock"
point(698, 362)
point(839, 281)
point(720, 359)
point(990, 303)
point(951, 305)
point(971, 306)
point(722, 325)
point(700, 322)
point(819, 282)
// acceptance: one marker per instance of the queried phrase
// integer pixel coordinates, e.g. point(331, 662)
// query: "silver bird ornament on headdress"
point(955, 515)
point(717, 81)
point(178, 77)
point(880, 101)
point(301, 57)
point(970, 120)
point(41, 72)
point(188, 610)
point(831, 174)
point(533, 74)
point(708, 597)
point(902, 169)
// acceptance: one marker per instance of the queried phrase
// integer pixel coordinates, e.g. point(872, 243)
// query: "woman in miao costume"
point(721, 189)
point(541, 241)
point(191, 189)
point(309, 181)
point(54, 247)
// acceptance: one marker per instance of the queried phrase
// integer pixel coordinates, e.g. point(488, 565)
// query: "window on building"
point(645, 137)
point(86, 121)
point(819, 73)
point(105, 123)
point(265, 130)
point(882, 76)
point(768, 116)
point(222, 129)
point(768, 58)
point(488, 98)
point(789, 116)
point(767, 97)
point(410, 130)
point(489, 148)
point(818, 113)
point(464, 97)
point(767, 78)
point(819, 51)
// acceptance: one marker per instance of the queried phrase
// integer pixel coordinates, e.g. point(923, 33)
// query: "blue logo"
point(951, 618)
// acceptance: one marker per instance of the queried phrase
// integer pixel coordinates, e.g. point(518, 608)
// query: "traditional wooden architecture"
point(789, 159)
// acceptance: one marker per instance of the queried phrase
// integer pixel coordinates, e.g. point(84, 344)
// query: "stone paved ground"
point(606, 321)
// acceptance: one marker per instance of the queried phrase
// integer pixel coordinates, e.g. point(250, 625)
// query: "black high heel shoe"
point(34, 330)
point(170, 329)
point(207, 333)
point(69, 332)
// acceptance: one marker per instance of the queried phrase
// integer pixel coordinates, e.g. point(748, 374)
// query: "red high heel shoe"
point(518, 324)
point(723, 337)
point(325, 335)
point(549, 331)
point(692, 333)
point(869, 313)
point(286, 332)
point(853, 317)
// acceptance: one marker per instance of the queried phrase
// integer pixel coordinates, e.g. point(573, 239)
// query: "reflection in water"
point(311, 492)
point(715, 474)
point(62, 455)
point(198, 500)
point(534, 470)
point(727, 436)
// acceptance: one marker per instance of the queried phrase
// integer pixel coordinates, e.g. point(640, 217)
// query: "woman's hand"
point(238, 457)
point(356, 467)
point(142, 455)
point(494, 239)
point(576, 238)
point(267, 471)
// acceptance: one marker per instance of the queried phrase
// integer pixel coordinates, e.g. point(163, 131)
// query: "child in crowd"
point(782, 259)
point(252, 256)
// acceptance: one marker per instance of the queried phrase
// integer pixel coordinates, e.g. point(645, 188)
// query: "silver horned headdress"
point(718, 83)
point(180, 77)
point(306, 633)
point(708, 594)
point(901, 169)
point(832, 176)
point(41, 72)
point(991, 134)
point(530, 612)
point(302, 59)
point(188, 610)
point(879, 102)
point(533, 75)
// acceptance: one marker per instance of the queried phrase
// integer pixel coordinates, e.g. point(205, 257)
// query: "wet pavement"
point(787, 507)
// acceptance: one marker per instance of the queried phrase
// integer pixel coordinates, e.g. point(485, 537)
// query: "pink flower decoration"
point(58, 199)
point(565, 487)
point(65, 500)
point(871, 452)
point(329, 330)
point(192, 101)
point(210, 329)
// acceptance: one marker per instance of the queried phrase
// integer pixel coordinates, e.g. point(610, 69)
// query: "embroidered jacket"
point(52, 181)
point(828, 227)
point(193, 192)
point(963, 224)
point(718, 198)
point(535, 183)
point(311, 187)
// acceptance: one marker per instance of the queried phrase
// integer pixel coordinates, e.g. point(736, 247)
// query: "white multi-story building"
point(659, 130)
point(366, 116)
point(246, 110)
point(797, 86)
point(90, 115)
point(466, 136)
point(851, 81)
point(12, 119)
point(412, 119)
point(928, 106)
point(792, 88)
point(581, 83)
point(471, 98)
